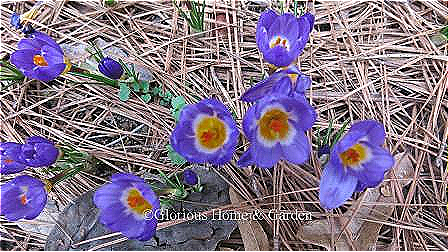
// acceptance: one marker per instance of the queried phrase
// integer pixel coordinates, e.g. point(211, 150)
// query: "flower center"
point(293, 77)
point(354, 155)
point(9, 161)
point(23, 199)
point(39, 60)
point(274, 124)
point(137, 203)
point(211, 132)
point(279, 41)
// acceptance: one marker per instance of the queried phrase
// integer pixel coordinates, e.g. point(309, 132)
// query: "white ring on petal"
point(124, 201)
point(368, 157)
point(197, 144)
point(291, 130)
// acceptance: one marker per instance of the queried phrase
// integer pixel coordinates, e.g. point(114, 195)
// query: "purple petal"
point(44, 39)
point(336, 186)
point(10, 158)
point(266, 157)
point(250, 123)
point(190, 177)
point(373, 130)
point(44, 154)
point(120, 221)
point(299, 150)
point(372, 172)
point(246, 159)
point(360, 187)
point(305, 115)
point(110, 68)
point(24, 59)
point(48, 73)
point(279, 56)
point(148, 194)
point(310, 18)
point(38, 139)
point(282, 87)
point(302, 84)
point(261, 88)
point(266, 19)
point(52, 56)
point(149, 230)
point(30, 44)
point(262, 39)
point(107, 195)
point(290, 27)
point(304, 32)
point(11, 204)
point(126, 177)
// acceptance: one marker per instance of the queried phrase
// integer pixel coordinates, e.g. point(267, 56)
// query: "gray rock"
point(78, 54)
point(44, 223)
point(79, 222)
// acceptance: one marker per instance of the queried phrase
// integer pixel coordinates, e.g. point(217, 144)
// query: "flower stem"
point(99, 78)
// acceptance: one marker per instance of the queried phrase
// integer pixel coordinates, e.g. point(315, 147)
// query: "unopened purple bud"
point(110, 68)
point(190, 177)
point(15, 21)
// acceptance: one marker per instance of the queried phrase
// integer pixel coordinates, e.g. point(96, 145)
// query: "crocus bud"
point(110, 68)
point(15, 21)
point(190, 177)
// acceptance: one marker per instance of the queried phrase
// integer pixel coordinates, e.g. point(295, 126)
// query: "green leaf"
point(124, 92)
point(146, 97)
point(174, 156)
point(156, 91)
point(145, 86)
point(136, 86)
point(444, 31)
point(178, 102)
point(168, 95)
point(109, 2)
point(164, 103)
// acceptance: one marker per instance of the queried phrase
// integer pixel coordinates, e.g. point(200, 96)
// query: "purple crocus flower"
point(281, 38)
point(22, 197)
point(206, 132)
point(275, 127)
point(289, 81)
point(38, 152)
point(110, 68)
point(128, 205)
point(356, 162)
point(11, 159)
point(39, 57)
point(190, 177)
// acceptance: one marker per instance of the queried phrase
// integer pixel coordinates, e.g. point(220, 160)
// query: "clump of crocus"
point(275, 127)
point(289, 81)
point(36, 152)
point(281, 38)
point(39, 57)
point(356, 162)
point(128, 205)
point(110, 68)
point(205, 132)
point(22, 197)
point(190, 177)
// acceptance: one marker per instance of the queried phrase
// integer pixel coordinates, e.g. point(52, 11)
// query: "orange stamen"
point(276, 125)
point(39, 60)
point(9, 161)
point(23, 199)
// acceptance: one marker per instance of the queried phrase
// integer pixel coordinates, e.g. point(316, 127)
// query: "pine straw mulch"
point(368, 60)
